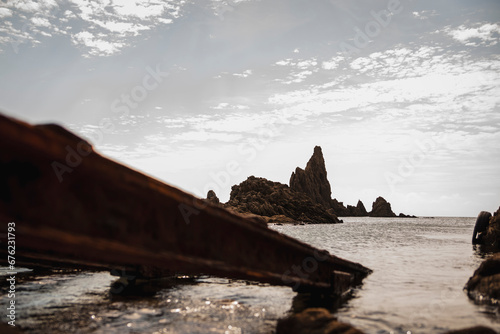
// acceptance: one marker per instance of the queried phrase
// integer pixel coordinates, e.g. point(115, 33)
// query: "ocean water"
point(420, 267)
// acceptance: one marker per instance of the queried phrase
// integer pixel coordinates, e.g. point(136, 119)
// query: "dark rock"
point(358, 210)
point(212, 197)
point(473, 330)
point(266, 198)
point(484, 285)
point(314, 321)
point(280, 220)
point(402, 215)
point(339, 209)
point(491, 239)
point(312, 181)
point(381, 208)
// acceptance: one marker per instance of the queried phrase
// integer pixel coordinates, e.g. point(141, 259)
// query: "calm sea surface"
point(420, 267)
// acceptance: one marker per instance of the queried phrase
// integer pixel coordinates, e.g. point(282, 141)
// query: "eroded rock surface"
point(313, 180)
point(267, 198)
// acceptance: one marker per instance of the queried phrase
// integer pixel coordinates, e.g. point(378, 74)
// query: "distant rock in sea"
point(358, 210)
point(339, 208)
point(312, 180)
point(274, 200)
point(307, 199)
point(381, 208)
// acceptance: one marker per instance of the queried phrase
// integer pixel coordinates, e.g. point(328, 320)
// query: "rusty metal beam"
point(72, 205)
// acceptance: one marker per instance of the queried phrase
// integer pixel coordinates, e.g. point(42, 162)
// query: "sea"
point(420, 267)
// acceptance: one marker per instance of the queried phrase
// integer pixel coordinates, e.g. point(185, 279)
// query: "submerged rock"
point(267, 198)
point(312, 180)
point(484, 285)
point(314, 321)
point(381, 208)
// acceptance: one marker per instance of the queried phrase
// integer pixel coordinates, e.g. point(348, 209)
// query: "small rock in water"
point(314, 321)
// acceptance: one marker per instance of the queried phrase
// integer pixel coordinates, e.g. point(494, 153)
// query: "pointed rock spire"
point(312, 180)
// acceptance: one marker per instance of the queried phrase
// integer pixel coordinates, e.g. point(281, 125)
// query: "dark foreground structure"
point(72, 206)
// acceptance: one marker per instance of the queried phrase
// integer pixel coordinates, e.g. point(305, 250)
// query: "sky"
point(402, 96)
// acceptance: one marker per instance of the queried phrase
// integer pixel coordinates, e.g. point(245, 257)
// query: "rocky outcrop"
point(339, 208)
point(484, 285)
point(381, 208)
point(212, 197)
point(312, 180)
point(314, 321)
point(491, 239)
point(358, 210)
point(266, 198)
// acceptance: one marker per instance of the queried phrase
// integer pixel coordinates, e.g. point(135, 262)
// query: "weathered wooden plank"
point(73, 205)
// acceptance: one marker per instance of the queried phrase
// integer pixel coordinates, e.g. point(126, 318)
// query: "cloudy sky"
point(403, 96)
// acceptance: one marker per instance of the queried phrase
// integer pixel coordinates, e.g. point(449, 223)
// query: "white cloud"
point(225, 105)
point(204, 136)
point(424, 14)
point(486, 34)
point(122, 27)
point(245, 74)
point(414, 86)
point(5, 12)
point(332, 63)
point(104, 27)
point(139, 8)
point(96, 46)
point(40, 22)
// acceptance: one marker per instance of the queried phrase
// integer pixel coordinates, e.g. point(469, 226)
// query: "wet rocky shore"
point(484, 285)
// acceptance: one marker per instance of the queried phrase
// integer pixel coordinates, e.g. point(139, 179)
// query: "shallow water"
point(420, 267)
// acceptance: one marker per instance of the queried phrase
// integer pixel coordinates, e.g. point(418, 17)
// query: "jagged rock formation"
point(339, 208)
point(212, 197)
point(312, 180)
point(358, 210)
point(381, 208)
point(270, 199)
